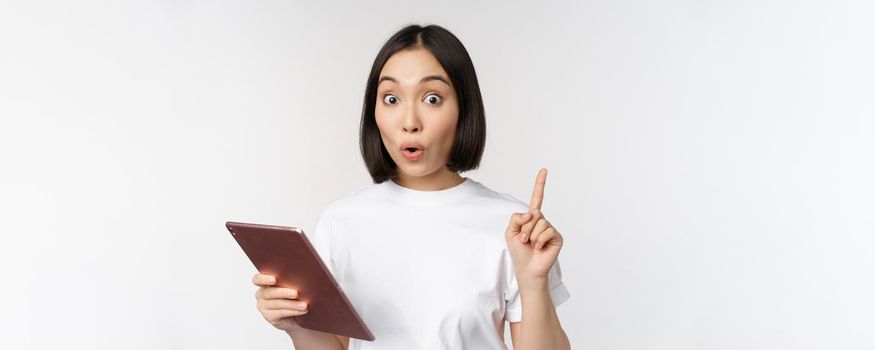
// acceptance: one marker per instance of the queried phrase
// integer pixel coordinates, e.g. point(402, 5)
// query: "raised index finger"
point(538, 192)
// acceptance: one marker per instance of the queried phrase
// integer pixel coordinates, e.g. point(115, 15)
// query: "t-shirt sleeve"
point(514, 307)
point(320, 238)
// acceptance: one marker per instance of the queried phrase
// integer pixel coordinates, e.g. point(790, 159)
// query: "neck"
point(436, 181)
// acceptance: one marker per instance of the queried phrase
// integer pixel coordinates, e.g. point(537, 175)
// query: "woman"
point(420, 252)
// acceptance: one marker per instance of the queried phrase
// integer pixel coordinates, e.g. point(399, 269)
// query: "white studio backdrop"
point(710, 162)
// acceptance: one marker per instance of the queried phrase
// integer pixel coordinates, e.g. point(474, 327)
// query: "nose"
point(411, 121)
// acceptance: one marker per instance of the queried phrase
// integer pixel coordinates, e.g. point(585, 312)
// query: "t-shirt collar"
point(418, 197)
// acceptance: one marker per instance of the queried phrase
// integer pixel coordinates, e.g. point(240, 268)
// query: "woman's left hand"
point(533, 242)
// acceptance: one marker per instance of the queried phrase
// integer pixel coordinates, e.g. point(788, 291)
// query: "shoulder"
point(505, 201)
point(364, 195)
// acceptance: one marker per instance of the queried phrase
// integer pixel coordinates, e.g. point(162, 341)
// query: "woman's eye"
point(433, 99)
point(390, 99)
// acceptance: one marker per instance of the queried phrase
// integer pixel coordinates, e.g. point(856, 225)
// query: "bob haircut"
point(470, 136)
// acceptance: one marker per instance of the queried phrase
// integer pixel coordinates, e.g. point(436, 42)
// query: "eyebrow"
point(426, 79)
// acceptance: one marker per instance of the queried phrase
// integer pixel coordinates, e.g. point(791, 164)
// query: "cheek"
point(383, 119)
point(449, 119)
point(444, 128)
point(379, 116)
point(448, 129)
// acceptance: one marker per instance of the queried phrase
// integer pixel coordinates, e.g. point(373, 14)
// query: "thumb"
point(517, 220)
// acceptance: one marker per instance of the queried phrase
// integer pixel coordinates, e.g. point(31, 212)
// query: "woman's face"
point(416, 106)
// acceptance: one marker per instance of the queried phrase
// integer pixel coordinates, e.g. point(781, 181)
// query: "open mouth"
point(412, 153)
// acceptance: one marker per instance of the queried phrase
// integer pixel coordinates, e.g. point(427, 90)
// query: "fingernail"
point(524, 238)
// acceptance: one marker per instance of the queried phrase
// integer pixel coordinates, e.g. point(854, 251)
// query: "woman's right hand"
point(277, 304)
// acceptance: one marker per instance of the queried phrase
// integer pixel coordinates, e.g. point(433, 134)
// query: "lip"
point(412, 155)
point(408, 144)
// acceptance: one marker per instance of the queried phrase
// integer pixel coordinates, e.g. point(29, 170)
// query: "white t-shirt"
point(426, 269)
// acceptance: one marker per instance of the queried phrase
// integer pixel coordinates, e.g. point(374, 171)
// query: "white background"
point(710, 162)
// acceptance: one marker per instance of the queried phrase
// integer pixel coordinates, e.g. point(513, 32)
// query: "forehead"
point(411, 65)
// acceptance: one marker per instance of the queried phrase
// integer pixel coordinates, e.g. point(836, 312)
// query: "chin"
point(415, 170)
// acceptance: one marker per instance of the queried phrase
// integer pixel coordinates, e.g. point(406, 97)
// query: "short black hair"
point(471, 126)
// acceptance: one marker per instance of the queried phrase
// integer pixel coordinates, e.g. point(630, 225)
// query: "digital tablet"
point(287, 254)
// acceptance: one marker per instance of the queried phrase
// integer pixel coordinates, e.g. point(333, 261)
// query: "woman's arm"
point(534, 246)
point(305, 339)
point(539, 328)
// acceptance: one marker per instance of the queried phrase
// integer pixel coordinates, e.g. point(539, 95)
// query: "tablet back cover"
point(287, 254)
